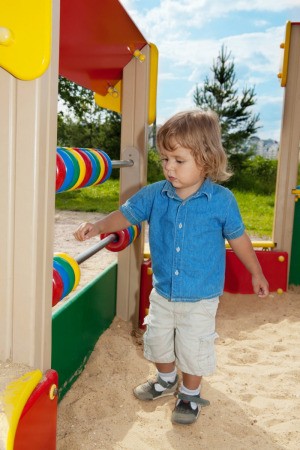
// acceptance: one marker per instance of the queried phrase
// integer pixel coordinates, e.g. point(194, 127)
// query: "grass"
point(103, 198)
point(257, 210)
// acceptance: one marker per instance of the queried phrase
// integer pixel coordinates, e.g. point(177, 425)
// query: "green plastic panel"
point(78, 324)
point(294, 277)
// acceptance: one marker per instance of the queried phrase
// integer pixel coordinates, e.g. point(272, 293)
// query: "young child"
point(189, 217)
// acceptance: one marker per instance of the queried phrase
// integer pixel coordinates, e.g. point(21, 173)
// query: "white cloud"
point(196, 56)
point(262, 5)
point(195, 75)
point(163, 76)
point(260, 52)
point(270, 100)
point(173, 18)
point(270, 132)
point(254, 80)
point(260, 23)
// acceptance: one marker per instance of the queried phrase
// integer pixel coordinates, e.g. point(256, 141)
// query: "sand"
point(254, 394)
point(65, 224)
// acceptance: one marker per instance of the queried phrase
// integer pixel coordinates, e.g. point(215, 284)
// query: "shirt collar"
point(205, 189)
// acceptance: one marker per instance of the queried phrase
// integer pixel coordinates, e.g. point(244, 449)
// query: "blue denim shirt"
point(187, 237)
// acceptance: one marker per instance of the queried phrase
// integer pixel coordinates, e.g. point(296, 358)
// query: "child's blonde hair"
point(200, 132)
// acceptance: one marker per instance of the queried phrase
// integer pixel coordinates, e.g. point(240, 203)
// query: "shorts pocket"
point(149, 340)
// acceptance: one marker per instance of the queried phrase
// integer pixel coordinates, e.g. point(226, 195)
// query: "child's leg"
point(195, 335)
point(159, 348)
point(165, 367)
point(191, 382)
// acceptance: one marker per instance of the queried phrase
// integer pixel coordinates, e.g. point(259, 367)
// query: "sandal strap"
point(165, 384)
point(193, 398)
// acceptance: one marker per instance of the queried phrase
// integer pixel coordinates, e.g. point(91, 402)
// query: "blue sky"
point(189, 35)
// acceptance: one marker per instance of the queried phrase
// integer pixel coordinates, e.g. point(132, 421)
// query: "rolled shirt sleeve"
point(233, 226)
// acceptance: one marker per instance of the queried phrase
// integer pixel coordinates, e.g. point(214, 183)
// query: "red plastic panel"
point(146, 287)
point(97, 40)
point(274, 265)
point(37, 425)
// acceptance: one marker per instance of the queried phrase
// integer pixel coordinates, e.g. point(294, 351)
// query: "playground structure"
point(113, 59)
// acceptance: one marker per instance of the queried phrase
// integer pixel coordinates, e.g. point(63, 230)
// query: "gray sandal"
point(183, 413)
point(146, 391)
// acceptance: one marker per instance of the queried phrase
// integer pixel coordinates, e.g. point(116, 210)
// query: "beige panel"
point(134, 134)
point(289, 149)
point(27, 144)
point(7, 168)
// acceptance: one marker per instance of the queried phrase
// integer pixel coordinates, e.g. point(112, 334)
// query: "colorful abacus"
point(81, 167)
point(66, 271)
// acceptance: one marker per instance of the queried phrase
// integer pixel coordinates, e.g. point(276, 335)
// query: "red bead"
point(57, 287)
point(121, 242)
point(60, 171)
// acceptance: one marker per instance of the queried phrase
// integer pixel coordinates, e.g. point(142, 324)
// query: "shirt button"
point(176, 272)
point(177, 249)
point(180, 225)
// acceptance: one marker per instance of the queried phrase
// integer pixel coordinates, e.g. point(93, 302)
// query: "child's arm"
point(113, 222)
point(242, 247)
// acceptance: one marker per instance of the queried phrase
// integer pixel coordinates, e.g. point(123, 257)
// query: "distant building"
point(267, 148)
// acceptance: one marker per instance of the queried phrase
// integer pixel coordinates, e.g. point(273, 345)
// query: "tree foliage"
point(82, 123)
point(77, 100)
point(220, 94)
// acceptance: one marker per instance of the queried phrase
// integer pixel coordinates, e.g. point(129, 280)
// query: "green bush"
point(155, 172)
point(254, 174)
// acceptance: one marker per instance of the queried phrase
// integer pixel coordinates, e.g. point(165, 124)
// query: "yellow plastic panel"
point(113, 99)
point(25, 37)
point(14, 399)
point(153, 83)
point(282, 75)
point(258, 244)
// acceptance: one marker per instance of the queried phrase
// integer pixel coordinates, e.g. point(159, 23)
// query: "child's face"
point(181, 170)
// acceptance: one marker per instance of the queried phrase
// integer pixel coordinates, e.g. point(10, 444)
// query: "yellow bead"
point(279, 291)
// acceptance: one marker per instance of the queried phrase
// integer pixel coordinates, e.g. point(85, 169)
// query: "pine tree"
point(220, 94)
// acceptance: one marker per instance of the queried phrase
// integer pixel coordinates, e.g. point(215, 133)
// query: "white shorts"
point(183, 332)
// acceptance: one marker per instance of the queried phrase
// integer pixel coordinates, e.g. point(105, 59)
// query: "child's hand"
point(260, 286)
point(85, 231)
